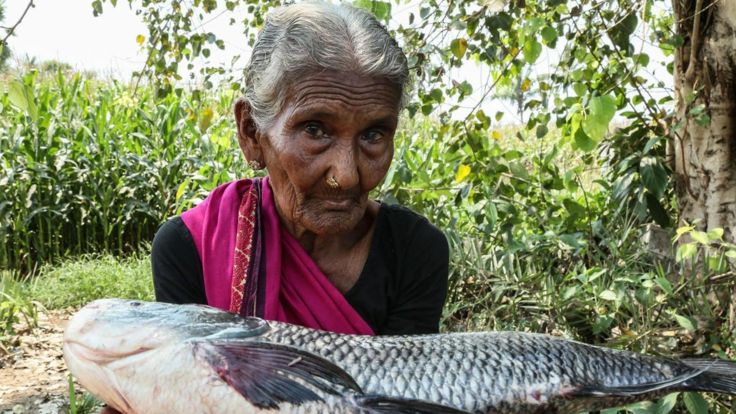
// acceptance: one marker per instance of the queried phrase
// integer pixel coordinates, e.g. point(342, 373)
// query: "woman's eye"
point(314, 130)
point(372, 136)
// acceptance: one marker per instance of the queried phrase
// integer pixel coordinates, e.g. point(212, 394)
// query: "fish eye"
point(135, 303)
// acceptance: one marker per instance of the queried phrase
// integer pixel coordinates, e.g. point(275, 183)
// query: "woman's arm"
point(177, 270)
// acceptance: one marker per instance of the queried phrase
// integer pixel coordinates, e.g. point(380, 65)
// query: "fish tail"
point(717, 376)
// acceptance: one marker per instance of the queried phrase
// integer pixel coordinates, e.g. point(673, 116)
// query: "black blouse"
point(401, 289)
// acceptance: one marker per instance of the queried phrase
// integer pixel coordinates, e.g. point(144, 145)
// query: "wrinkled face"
point(333, 124)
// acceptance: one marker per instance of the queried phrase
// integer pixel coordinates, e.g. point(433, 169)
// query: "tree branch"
point(12, 28)
point(694, 42)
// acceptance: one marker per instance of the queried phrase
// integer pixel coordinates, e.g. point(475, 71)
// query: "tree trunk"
point(704, 130)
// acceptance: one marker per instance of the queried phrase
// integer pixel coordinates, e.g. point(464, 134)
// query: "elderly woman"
point(305, 244)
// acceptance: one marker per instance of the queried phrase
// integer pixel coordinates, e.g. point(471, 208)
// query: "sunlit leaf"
point(608, 295)
point(686, 251)
point(462, 172)
point(600, 112)
point(526, 84)
point(715, 234)
point(21, 96)
point(700, 237)
point(458, 47)
point(532, 50)
point(685, 322)
point(205, 119)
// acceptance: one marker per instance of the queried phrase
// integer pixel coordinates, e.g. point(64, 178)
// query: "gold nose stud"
point(332, 182)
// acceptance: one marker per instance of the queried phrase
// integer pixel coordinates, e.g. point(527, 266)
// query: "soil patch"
point(33, 375)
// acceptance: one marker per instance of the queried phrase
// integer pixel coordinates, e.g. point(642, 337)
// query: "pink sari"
point(253, 266)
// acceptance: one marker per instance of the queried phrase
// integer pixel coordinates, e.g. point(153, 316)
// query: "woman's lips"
point(339, 204)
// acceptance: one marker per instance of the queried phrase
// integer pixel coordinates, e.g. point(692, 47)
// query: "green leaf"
point(656, 210)
point(600, 112)
point(608, 295)
point(532, 50)
point(715, 234)
point(458, 47)
point(653, 175)
point(579, 88)
point(664, 284)
point(642, 59)
point(685, 322)
point(182, 188)
point(683, 230)
point(572, 240)
point(549, 36)
point(700, 237)
point(622, 31)
point(21, 96)
point(542, 130)
point(695, 403)
point(686, 251)
point(666, 404)
point(380, 9)
point(573, 208)
point(583, 141)
point(96, 8)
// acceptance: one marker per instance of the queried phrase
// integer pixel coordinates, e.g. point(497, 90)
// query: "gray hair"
point(306, 38)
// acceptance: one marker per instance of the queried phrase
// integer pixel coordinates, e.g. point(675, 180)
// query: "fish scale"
point(219, 362)
point(428, 367)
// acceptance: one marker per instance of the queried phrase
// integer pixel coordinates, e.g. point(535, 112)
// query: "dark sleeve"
point(177, 271)
point(422, 288)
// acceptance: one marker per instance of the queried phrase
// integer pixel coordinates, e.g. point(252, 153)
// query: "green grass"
point(74, 283)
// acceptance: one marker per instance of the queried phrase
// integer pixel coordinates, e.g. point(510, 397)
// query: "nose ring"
point(332, 182)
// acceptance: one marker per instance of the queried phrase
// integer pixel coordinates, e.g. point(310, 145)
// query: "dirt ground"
point(33, 376)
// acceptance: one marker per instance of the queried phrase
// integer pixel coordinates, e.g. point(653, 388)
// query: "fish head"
point(118, 327)
point(109, 333)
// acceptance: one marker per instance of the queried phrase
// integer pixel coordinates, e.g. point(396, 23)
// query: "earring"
point(332, 182)
point(254, 164)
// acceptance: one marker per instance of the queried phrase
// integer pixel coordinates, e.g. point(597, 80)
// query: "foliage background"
point(550, 222)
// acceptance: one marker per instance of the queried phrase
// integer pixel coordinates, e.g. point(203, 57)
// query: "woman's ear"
point(247, 132)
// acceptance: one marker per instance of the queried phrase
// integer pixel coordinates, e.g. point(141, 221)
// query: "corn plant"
point(87, 166)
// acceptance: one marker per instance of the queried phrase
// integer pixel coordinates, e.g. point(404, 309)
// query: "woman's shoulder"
point(403, 218)
point(408, 229)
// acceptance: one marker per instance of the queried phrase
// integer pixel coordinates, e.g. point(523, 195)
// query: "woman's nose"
point(345, 167)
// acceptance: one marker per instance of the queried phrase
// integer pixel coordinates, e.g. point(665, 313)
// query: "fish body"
point(144, 357)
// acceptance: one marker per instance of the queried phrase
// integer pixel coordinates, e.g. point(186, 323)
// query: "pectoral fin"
point(267, 374)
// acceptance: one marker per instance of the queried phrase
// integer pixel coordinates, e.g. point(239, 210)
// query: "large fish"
point(145, 357)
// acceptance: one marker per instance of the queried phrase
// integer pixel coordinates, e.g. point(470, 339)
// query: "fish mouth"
point(95, 376)
point(99, 356)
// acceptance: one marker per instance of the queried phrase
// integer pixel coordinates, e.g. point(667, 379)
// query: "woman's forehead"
point(348, 89)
